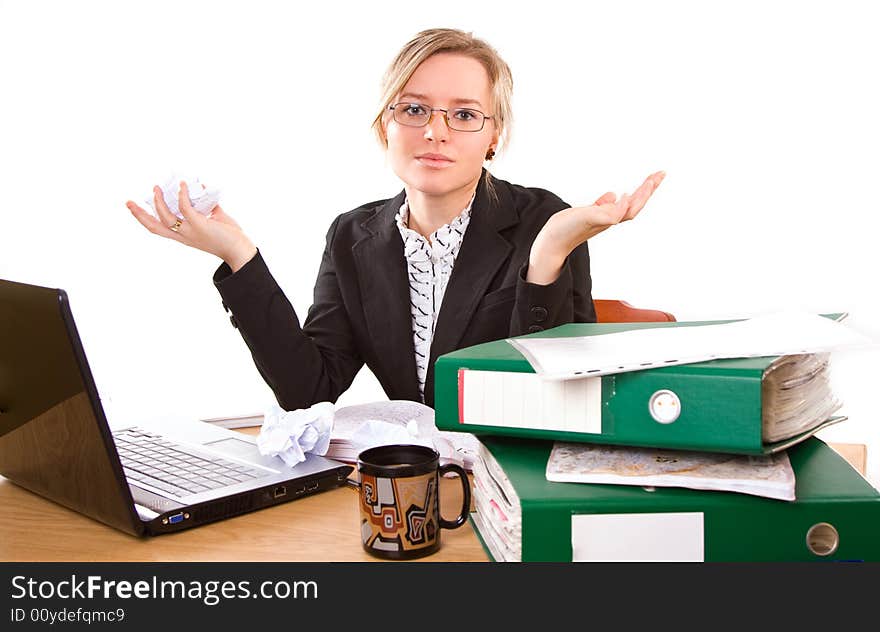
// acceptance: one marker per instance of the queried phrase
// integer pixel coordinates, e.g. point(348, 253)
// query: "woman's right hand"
point(217, 233)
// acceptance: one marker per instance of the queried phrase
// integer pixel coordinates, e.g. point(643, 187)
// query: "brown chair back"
point(614, 311)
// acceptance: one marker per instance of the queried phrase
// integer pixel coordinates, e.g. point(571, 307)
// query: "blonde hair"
point(431, 42)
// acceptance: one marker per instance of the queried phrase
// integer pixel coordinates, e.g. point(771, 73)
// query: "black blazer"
point(361, 310)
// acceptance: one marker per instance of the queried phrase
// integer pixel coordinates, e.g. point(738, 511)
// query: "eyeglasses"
point(458, 119)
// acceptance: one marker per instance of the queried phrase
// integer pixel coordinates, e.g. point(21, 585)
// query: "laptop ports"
point(313, 486)
point(279, 492)
point(175, 518)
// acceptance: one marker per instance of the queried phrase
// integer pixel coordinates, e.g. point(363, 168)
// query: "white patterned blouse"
point(429, 266)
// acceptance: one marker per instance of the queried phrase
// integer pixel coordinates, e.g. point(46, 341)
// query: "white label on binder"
point(525, 400)
point(637, 537)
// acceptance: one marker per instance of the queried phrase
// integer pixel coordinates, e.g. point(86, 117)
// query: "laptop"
point(144, 479)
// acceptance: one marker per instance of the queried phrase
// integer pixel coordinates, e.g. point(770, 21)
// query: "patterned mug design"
point(399, 500)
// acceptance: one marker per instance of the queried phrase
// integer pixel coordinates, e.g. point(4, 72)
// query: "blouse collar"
point(443, 241)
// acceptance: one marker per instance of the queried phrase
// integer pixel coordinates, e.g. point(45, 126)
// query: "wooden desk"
point(317, 528)
point(323, 527)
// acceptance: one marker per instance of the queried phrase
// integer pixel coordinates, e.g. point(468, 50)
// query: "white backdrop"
point(763, 114)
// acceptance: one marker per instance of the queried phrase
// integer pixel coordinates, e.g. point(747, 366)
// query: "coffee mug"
point(400, 502)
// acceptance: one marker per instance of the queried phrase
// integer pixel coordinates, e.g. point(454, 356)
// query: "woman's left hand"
point(569, 228)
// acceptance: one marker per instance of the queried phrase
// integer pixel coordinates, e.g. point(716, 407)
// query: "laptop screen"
point(37, 368)
point(54, 439)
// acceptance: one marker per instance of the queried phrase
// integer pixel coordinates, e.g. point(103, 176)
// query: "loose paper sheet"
point(771, 335)
point(770, 476)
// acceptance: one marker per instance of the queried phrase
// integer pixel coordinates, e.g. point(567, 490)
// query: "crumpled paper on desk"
point(202, 198)
point(291, 434)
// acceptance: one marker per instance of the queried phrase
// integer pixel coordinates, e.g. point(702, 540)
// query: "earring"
point(490, 154)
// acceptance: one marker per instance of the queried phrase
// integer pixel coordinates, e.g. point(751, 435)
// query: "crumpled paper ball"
point(202, 198)
point(291, 434)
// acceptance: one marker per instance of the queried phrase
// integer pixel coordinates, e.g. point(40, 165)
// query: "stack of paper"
point(796, 395)
point(362, 426)
point(497, 511)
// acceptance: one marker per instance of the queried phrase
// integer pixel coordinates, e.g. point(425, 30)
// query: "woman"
point(457, 258)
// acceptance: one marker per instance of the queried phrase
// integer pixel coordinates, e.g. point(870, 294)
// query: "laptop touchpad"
point(244, 450)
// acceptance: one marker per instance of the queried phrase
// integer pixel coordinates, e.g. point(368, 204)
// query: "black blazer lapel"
point(384, 287)
point(483, 251)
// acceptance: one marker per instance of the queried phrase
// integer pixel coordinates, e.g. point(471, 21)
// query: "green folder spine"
point(720, 399)
point(736, 527)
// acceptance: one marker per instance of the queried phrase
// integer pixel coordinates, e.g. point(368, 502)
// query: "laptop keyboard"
point(174, 468)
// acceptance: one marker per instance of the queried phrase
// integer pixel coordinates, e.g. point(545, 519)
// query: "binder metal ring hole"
point(822, 539)
point(664, 406)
